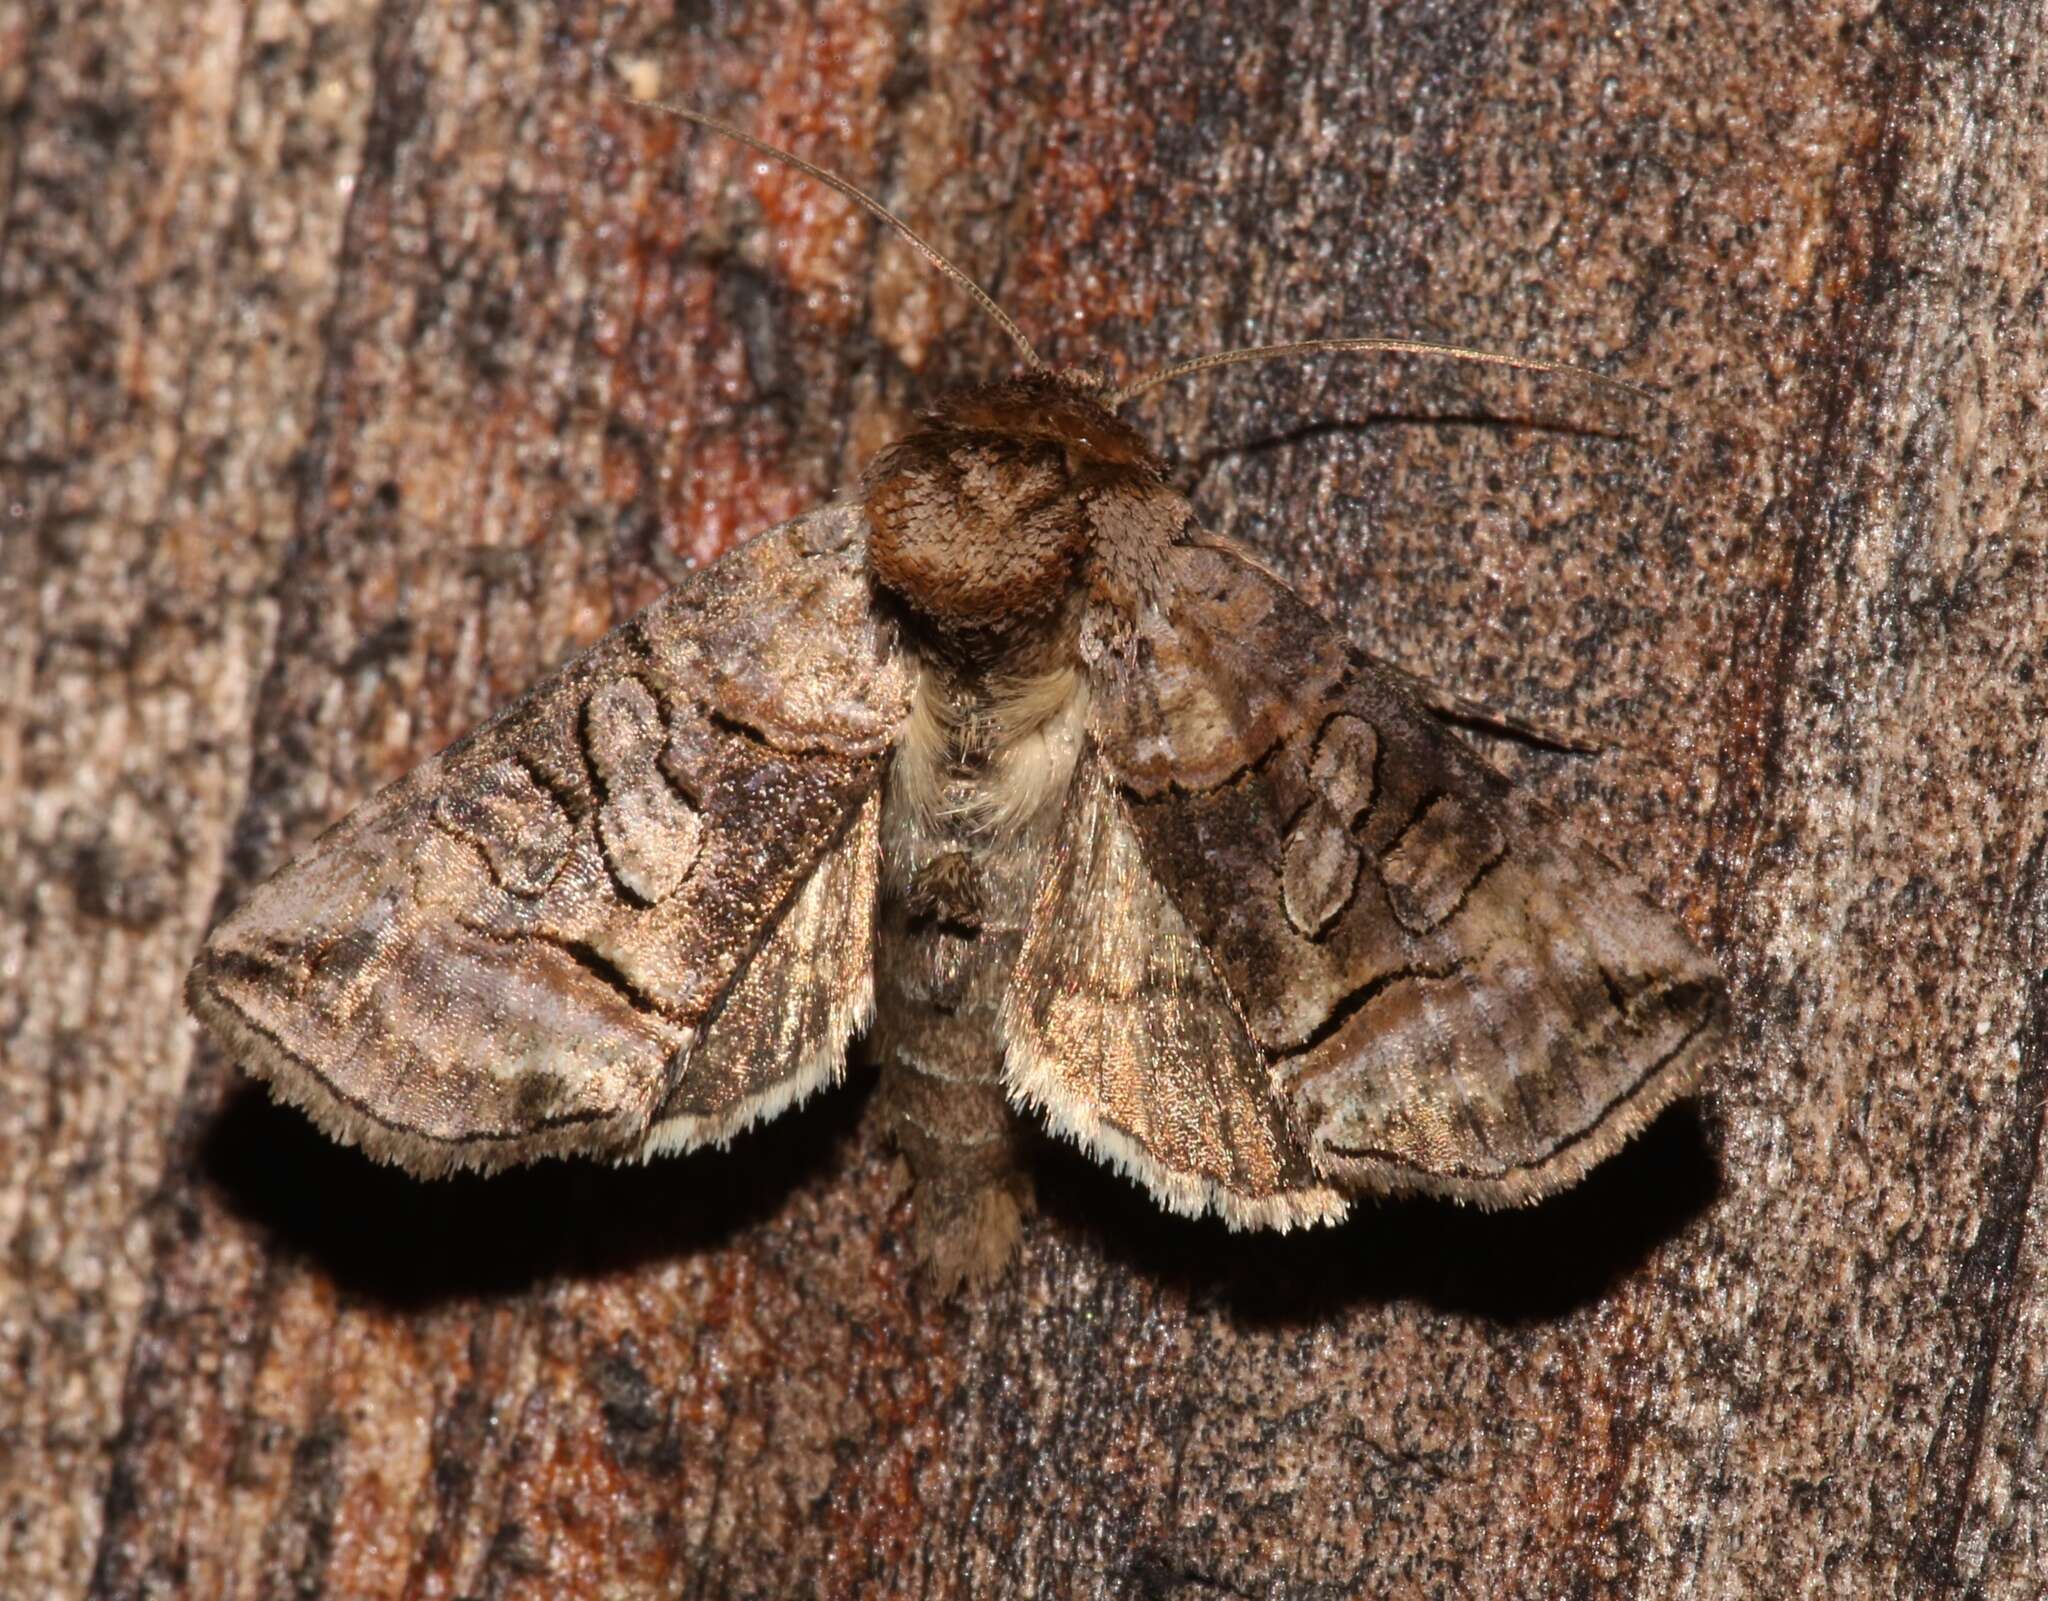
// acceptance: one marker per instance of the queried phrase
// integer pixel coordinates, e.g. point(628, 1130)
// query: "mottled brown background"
point(358, 360)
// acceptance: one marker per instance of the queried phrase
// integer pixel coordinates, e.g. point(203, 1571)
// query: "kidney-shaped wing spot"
point(1440, 858)
point(518, 828)
point(1449, 994)
point(1319, 868)
point(523, 946)
point(650, 831)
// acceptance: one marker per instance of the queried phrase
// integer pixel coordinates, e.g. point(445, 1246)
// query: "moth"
point(1070, 805)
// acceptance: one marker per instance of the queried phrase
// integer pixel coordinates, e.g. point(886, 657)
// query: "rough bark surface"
point(359, 360)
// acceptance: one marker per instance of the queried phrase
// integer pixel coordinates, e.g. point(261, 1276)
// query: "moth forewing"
point(1451, 996)
point(571, 930)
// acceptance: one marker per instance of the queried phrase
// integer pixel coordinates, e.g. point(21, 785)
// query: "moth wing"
point(1118, 1028)
point(1450, 995)
point(631, 912)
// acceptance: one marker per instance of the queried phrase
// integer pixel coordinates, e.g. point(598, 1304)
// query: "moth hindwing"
point(1087, 813)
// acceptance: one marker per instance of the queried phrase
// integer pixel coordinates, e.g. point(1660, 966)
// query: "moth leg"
point(946, 890)
point(1451, 707)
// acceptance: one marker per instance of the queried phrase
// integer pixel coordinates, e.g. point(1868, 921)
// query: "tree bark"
point(358, 362)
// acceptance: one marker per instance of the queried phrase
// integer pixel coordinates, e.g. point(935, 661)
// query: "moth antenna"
point(1378, 347)
point(866, 201)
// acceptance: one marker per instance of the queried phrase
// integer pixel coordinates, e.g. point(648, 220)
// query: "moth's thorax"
point(985, 517)
point(985, 758)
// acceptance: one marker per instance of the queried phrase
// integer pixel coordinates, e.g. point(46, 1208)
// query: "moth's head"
point(979, 516)
point(1069, 408)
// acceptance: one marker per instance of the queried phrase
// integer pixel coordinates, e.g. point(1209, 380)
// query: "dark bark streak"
point(305, 566)
point(1987, 1278)
point(1821, 507)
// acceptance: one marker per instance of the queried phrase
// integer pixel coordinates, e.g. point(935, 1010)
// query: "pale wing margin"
point(632, 912)
point(1118, 1029)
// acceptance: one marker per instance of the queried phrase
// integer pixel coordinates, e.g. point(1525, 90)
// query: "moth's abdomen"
point(941, 1092)
point(945, 947)
point(976, 787)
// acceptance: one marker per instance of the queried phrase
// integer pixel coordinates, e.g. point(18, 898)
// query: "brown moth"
point(1071, 805)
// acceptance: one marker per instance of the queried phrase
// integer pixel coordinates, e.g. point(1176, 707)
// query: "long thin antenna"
point(1380, 347)
point(864, 200)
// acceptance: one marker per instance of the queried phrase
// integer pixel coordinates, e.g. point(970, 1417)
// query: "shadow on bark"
point(1526, 1265)
point(407, 1242)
